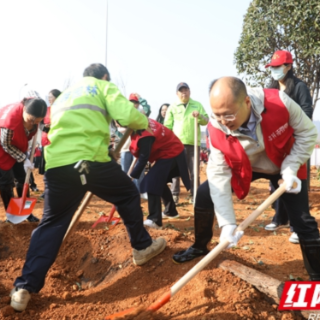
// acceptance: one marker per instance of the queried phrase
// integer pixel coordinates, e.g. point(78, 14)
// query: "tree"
point(271, 25)
point(68, 82)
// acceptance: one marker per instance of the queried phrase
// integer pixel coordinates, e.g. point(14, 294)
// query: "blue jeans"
point(126, 160)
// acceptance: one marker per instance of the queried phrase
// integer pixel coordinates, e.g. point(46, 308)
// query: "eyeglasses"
point(31, 119)
point(227, 117)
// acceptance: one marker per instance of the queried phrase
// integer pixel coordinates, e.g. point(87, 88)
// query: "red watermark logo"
point(302, 295)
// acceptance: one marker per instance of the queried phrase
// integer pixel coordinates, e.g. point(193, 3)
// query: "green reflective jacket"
point(80, 120)
point(180, 120)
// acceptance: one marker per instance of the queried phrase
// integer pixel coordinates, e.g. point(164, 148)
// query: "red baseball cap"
point(133, 97)
point(279, 58)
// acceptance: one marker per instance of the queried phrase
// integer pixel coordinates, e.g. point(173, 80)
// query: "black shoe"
point(32, 218)
point(203, 221)
point(311, 257)
point(189, 254)
point(34, 189)
point(41, 196)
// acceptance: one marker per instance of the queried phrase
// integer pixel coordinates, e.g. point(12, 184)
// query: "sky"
point(149, 46)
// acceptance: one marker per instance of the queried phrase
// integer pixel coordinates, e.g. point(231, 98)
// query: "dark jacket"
point(302, 97)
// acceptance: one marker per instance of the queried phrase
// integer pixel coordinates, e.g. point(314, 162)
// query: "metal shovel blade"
point(16, 219)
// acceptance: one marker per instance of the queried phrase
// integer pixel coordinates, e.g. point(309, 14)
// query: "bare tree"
point(67, 83)
point(120, 82)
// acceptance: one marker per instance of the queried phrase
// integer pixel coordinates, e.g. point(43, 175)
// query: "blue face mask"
point(278, 73)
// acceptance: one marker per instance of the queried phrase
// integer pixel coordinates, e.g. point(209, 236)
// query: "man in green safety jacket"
point(80, 120)
point(180, 119)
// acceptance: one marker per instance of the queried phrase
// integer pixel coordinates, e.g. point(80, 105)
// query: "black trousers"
point(297, 206)
point(32, 181)
point(42, 164)
point(154, 206)
point(10, 178)
point(36, 162)
point(189, 152)
point(63, 193)
point(281, 215)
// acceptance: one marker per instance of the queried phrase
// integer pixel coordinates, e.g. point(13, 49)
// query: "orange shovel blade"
point(19, 210)
point(108, 219)
point(18, 207)
point(120, 314)
point(113, 221)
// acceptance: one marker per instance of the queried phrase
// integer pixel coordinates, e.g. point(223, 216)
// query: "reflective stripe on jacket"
point(80, 120)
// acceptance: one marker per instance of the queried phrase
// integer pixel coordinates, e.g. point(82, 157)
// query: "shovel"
point(109, 218)
point(20, 209)
point(206, 260)
point(195, 162)
point(89, 195)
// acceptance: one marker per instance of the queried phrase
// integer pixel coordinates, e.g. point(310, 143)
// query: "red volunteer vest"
point(11, 118)
point(44, 137)
point(166, 144)
point(37, 152)
point(203, 156)
point(278, 140)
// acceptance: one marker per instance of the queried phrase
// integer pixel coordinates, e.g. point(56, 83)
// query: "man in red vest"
point(163, 148)
point(263, 134)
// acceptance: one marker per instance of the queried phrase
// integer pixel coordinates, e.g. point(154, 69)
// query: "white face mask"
point(278, 73)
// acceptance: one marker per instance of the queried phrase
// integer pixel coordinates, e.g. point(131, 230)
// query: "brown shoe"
point(140, 257)
point(19, 299)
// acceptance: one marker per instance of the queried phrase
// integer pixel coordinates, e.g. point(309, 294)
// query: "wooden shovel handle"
point(123, 139)
point(208, 258)
point(34, 141)
point(263, 206)
point(195, 161)
point(133, 163)
point(224, 244)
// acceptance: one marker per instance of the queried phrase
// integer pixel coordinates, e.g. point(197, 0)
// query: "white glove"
point(122, 129)
point(227, 234)
point(289, 180)
point(144, 196)
point(28, 165)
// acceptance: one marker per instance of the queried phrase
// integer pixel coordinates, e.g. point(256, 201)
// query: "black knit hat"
point(35, 107)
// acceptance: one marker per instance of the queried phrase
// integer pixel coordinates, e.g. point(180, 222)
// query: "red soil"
point(94, 276)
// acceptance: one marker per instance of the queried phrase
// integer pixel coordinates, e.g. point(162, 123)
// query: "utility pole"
point(106, 37)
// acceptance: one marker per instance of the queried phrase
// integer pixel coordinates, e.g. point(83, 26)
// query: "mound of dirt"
point(94, 275)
